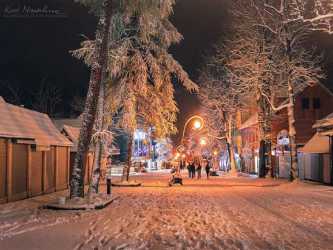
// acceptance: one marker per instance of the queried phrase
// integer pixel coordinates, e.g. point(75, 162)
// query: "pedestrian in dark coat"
point(198, 169)
point(192, 168)
point(189, 169)
point(207, 166)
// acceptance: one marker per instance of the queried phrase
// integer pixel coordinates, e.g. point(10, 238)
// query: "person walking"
point(182, 164)
point(207, 167)
point(192, 170)
point(198, 169)
point(189, 170)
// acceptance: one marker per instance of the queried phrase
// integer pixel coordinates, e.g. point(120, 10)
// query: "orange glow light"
point(197, 124)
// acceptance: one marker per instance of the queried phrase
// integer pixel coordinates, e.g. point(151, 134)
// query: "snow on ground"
point(221, 213)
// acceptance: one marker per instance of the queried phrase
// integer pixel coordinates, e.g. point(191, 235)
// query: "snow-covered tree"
point(141, 72)
point(294, 67)
point(249, 62)
point(316, 13)
point(220, 95)
point(98, 69)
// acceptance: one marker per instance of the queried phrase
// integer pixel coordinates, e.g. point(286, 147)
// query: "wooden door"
point(36, 180)
point(62, 168)
point(19, 171)
point(49, 179)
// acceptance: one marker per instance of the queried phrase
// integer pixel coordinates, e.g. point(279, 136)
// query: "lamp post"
point(197, 125)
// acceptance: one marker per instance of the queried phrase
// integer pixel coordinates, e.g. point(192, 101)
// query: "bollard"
point(108, 186)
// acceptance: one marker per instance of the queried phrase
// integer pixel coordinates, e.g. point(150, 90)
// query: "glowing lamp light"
point(197, 124)
point(215, 153)
point(203, 142)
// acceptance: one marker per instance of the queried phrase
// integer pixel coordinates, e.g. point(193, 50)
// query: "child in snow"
point(176, 177)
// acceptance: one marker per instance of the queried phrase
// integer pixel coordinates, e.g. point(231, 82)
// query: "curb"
point(85, 206)
point(119, 184)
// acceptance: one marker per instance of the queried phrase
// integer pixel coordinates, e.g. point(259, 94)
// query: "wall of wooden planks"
point(3, 171)
point(25, 172)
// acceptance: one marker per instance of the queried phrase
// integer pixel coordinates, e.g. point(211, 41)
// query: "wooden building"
point(70, 128)
point(311, 104)
point(34, 155)
point(72, 133)
point(316, 161)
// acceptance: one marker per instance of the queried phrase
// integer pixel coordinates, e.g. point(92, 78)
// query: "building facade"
point(34, 155)
point(311, 104)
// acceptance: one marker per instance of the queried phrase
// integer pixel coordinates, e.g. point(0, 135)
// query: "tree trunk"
point(262, 159)
point(269, 162)
point(127, 169)
point(99, 146)
point(96, 172)
point(265, 140)
point(231, 150)
point(261, 128)
point(292, 134)
point(89, 114)
point(268, 139)
point(331, 153)
point(129, 160)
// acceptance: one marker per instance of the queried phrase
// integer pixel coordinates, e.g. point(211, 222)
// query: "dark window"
point(305, 103)
point(316, 103)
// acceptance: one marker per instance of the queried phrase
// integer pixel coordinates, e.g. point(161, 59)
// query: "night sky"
point(32, 49)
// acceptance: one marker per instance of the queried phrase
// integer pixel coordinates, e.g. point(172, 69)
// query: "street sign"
point(180, 148)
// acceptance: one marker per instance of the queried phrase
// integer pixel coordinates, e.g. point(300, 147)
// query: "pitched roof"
point(73, 134)
point(325, 122)
point(318, 144)
point(72, 122)
point(21, 123)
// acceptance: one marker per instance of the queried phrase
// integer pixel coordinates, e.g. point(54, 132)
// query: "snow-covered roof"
point(318, 144)
point(73, 134)
point(324, 123)
point(21, 123)
point(72, 122)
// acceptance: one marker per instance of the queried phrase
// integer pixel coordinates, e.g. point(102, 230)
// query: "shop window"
point(316, 103)
point(305, 103)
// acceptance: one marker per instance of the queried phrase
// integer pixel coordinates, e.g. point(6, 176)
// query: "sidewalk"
point(14, 210)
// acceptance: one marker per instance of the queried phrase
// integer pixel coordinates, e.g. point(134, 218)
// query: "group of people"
point(196, 166)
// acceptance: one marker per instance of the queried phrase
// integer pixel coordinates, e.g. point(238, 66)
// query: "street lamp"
point(197, 125)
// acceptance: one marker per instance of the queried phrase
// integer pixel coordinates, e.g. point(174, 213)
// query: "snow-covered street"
point(221, 213)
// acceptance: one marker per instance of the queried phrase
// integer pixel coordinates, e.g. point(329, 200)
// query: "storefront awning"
point(318, 144)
